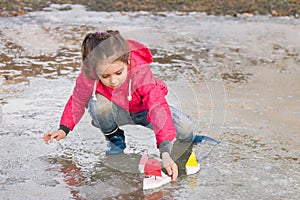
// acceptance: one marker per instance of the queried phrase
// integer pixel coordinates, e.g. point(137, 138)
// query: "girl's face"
point(114, 75)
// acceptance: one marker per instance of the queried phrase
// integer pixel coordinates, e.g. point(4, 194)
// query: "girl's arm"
point(78, 101)
point(153, 92)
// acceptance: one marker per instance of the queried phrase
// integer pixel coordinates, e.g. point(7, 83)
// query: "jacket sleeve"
point(78, 101)
point(153, 93)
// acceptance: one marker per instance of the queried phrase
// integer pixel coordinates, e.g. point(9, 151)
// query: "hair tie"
point(99, 33)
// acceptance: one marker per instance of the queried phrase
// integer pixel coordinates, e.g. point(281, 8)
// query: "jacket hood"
point(139, 53)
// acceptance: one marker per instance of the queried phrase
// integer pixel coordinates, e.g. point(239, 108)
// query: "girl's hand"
point(58, 135)
point(170, 165)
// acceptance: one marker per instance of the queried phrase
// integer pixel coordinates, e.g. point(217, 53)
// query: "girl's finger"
point(46, 137)
point(175, 172)
point(54, 135)
point(59, 137)
point(169, 170)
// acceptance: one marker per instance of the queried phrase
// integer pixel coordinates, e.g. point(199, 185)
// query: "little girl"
point(118, 87)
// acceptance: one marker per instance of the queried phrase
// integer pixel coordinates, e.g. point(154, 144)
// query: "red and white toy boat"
point(143, 161)
point(154, 176)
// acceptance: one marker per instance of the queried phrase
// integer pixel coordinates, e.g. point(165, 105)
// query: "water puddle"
point(237, 77)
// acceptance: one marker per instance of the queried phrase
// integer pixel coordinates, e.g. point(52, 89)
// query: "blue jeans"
point(107, 116)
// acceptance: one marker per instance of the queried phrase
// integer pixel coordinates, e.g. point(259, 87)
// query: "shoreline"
point(213, 7)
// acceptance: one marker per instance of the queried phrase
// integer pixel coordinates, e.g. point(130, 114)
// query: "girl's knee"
point(101, 107)
point(183, 124)
point(101, 112)
point(185, 131)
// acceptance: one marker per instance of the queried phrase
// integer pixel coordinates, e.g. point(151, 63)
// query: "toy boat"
point(143, 161)
point(155, 177)
point(192, 166)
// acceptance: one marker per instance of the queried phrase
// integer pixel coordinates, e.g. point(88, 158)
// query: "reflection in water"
point(114, 176)
point(73, 175)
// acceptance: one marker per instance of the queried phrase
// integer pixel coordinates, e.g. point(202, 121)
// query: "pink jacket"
point(141, 91)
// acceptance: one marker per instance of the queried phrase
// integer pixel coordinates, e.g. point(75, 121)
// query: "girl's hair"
point(100, 49)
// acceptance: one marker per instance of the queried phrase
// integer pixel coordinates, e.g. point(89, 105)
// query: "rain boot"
point(116, 142)
point(200, 138)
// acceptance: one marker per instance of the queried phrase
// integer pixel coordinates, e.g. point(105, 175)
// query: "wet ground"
point(238, 78)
